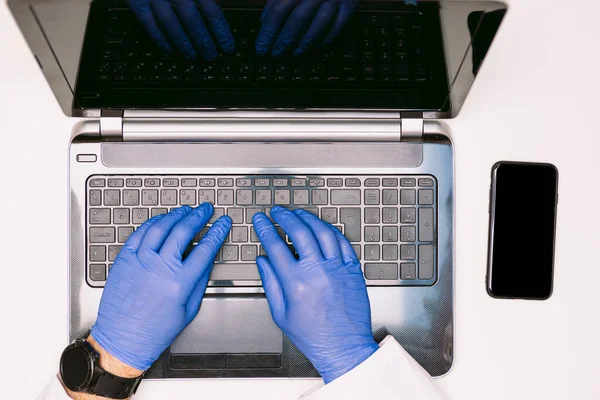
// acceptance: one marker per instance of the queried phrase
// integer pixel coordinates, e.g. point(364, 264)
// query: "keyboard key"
point(408, 271)
point(235, 272)
point(187, 197)
point(329, 214)
point(390, 196)
point(189, 182)
point(263, 197)
point(98, 272)
point(152, 182)
point(243, 182)
point(239, 234)
point(95, 197)
point(207, 182)
point(408, 215)
point(113, 252)
point(300, 197)
point(372, 252)
point(249, 252)
point(298, 182)
point(425, 197)
point(200, 235)
point(407, 196)
point(98, 182)
point(282, 197)
point(168, 197)
point(425, 261)
point(313, 210)
point(253, 236)
point(389, 252)
point(372, 182)
point(425, 224)
point(158, 211)
point(149, 197)
point(121, 216)
point(408, 234)
point(206, 196)
point(218, 213)
point(375, 20)
point(131, 197)
point(133, 182)
point(319, 197)
point(335, 182)
point(389, 182)
point(99, 216)
point(390, 234)
point(350, 217)
point(279, 182)
point(229, 253)
point(250, 214)
point(356, 248)
point(425, 182)
point(115, 182)
point(262, 182)
point(112, 197)
point(225, 197)
point(372, 197)
point(225, 182)
point(371, 215)
point(407, 182)
point(97, 253)
point(389, 215)
point(123, 233)
point(102, 235)
point(243, 197)
point(345, 197)
point(236, 214)
point(353, 182)
point(371, 234)
point(139, 215)
point(170, 182)
point(408, 252)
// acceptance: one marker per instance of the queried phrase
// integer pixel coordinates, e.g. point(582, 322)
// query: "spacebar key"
point(235, 272)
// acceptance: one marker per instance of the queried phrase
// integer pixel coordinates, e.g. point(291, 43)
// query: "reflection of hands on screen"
point(297, 26)
point(190, 26)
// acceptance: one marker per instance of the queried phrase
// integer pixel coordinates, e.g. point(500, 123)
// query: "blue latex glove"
point(181, 23)
point(151, 295)
point(299, 25)
point(320, 300)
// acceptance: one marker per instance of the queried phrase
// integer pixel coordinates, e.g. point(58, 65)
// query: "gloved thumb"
point(273, 289)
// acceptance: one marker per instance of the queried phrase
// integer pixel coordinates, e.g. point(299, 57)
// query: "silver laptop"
point(354, 135)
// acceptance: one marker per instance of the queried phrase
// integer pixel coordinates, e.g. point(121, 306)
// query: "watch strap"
point(114, 387)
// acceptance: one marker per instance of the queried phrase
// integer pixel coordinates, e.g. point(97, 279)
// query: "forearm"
point(109, 364)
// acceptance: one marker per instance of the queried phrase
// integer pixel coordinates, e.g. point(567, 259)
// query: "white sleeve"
point(54, 391)
point(390, 372)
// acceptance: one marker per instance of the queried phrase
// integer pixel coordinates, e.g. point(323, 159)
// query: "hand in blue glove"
point(320, 300)
point(299, 25)
point(185, 24)
point(151, 295)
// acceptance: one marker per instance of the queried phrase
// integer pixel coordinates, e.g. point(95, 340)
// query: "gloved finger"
point(277, 250)
point(320, 24)
point(273, 289)
point(159, 231)
point(169, 22)
point(192, 21)
point(348, 253)
point(133, 243)
point(213, 14)
point(144, 14)
point(202, 257)
point(322, 230)
point(302, 237)
point(346, 9)
point(182, 234)
point(273, 18)
point(295, 26)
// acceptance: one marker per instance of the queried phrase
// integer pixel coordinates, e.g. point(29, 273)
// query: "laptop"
point(353, 134)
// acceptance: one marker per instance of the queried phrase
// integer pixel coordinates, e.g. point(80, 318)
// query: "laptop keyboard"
point(385, 48)
point(389, 220)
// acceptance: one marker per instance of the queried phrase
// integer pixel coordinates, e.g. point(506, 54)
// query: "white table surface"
point(535, 99)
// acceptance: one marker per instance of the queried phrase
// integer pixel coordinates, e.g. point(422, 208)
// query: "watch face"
point(75, 367)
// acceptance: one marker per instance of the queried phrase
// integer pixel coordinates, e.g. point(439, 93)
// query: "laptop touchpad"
point(229, 326)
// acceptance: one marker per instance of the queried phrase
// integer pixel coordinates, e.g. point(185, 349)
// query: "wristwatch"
point(80, 372)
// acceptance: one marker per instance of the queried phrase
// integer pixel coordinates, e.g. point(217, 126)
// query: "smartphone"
point(523, 203)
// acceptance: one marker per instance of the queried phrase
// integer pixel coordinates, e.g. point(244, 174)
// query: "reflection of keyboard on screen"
point(390, 220)
point(376, 48)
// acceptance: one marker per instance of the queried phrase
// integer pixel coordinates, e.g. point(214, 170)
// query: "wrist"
point(347, 362)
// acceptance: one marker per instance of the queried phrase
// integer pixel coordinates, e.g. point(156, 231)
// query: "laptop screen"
point(274, 54)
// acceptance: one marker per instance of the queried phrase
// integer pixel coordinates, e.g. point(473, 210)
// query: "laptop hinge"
point(412, 125)
point(111, 123)
point(260, 126)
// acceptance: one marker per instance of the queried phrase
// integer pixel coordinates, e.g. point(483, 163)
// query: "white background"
point(536, 99)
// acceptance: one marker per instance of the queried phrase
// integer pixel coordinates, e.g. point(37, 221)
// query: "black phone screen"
point(522, 228)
